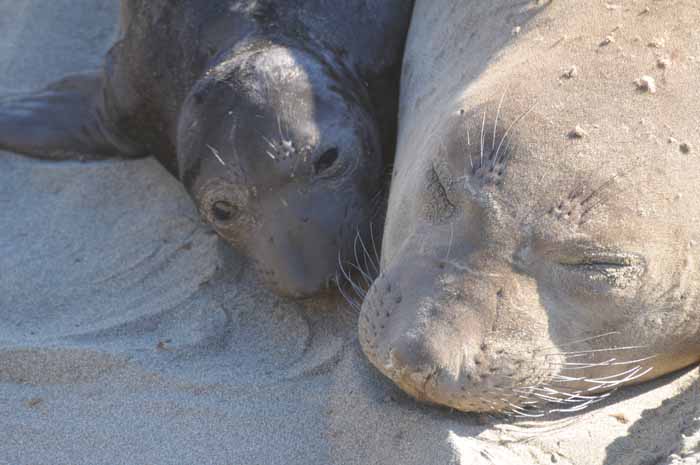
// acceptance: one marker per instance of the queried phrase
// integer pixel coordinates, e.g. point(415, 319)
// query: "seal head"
point(541, 242)
point(278, 148)
point(518, 282)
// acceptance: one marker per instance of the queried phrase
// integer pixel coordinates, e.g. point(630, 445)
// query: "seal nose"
point(297, 248)
point(418, 359)
point(411, 354)
point(300, 273)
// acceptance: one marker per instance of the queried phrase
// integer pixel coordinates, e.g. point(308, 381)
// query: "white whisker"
point(517, 120)
point(216, 154)
point(592, 338)
point(495, 124)
point(483, 123)
point(374, 245)
point(584, 352)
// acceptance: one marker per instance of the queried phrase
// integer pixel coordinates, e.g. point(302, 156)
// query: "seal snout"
point(421, 357)
point(422, 365)
point(300, 260)
point(432, 333)
point(413, 341)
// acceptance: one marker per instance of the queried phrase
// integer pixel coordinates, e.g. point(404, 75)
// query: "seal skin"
point(276, 115)
point(526, 268)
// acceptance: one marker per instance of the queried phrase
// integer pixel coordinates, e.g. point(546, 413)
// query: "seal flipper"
point(65, 121)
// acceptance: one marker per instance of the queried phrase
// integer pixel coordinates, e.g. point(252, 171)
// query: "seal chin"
point(296, 289)
point(296, 274)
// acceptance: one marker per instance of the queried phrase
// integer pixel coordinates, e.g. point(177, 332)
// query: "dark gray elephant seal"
point(274, 114)
point(542, 241)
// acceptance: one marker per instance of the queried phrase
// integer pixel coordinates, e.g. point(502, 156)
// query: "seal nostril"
point(224, 211)
point(326, 160)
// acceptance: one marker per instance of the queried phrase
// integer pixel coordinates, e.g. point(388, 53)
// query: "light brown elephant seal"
point(541, 246)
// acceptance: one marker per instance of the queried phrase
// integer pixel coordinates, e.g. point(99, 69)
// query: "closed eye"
point(581, 251)
point(598, 259)
point(595, 265)
point(580, 265)
point(437, 207)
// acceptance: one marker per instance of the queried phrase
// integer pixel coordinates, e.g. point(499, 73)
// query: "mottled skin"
point(275, 115)
point(525, 270)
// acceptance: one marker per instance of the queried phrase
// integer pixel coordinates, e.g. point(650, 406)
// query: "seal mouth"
point(423, 384)
point(436, 386)
point(460, 387)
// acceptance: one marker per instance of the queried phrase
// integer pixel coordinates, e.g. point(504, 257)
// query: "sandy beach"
point(130, 334)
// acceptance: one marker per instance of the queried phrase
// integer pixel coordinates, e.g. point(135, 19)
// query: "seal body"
point(541, 241)
point(275, 115)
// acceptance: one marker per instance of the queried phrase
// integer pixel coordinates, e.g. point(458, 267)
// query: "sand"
point(130, 334)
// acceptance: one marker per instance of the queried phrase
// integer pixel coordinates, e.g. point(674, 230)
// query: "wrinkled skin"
point(525, 270)
point(276, 116)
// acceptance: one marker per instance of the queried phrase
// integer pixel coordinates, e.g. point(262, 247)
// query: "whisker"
point(471, 161)
point(523, 413)
point(358, 290)
point(632, 374)
point(367, 278)
point(279, 128)
point(578, 408)
point(353, 303)
point(269, 142)
point(374, 245)
point(567, 379)
point(555, 390)
point(506, 153)
point(483, 123)
point(517, 120)
point(584, 352)
point(216, 154)
point(606, 378)
point(608, 363)
point(357, 258)
point(495, 124)
point(367, 255)
point(588, 339)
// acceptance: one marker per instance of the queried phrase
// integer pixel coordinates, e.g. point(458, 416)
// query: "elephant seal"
point(542, 240)
point(275, 115)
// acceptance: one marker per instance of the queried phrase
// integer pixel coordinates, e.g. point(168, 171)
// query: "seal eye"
point(326, 160)
point(224, 211)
